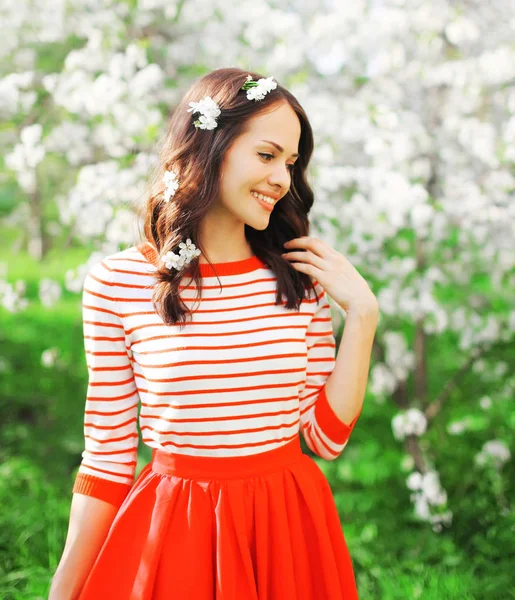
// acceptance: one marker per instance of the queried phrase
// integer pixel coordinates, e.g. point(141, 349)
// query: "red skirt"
point(254, 527)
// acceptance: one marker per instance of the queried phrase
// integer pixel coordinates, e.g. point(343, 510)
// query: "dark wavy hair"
point(197, 155)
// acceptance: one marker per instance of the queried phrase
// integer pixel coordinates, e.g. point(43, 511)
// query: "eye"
point(266, 155)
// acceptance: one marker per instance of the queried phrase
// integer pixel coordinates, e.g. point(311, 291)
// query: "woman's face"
point(255, 165)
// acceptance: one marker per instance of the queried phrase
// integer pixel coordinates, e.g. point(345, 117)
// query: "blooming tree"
point(413, 166)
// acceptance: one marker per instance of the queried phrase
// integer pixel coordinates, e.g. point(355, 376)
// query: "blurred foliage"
point(395, 555)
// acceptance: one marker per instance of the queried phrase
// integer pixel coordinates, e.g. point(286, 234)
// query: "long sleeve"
point(325, 434)
point(110, 420)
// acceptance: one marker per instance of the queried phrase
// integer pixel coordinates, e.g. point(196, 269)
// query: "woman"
point(228, 352)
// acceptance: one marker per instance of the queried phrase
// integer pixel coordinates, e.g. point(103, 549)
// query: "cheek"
point(240, 174)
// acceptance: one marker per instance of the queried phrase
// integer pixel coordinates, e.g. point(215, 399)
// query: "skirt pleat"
point(259, 527)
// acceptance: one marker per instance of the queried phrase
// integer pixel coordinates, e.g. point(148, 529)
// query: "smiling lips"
point(265, 201)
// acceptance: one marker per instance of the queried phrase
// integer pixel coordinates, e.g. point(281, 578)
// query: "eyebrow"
point(280, 148)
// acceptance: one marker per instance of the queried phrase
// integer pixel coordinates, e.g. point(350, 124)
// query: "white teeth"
point(265, 198)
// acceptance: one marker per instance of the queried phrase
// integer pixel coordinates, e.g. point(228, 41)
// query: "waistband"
point(230, 467)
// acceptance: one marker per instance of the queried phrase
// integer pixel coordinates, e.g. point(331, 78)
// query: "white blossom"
point(49, 357)
point(26, 156)
point(208, 110)
point(259, 91)
point(409, 422)
point(171, 181)
point(495, 452)
point(485, 402)
point(429, 498)
point(459, 427)
point(414, 481)
point(11, 296)
point(49, 291)
point(187, 253)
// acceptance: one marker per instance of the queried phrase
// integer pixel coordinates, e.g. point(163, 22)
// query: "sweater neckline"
point(233, 267)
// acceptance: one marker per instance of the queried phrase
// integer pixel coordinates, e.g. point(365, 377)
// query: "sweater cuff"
point(335, 429)
point(103, 489)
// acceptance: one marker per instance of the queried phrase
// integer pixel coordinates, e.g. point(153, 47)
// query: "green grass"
point(395, 556)
point(34, 526)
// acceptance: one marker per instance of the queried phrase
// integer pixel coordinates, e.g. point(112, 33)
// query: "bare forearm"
point(346, 386)
point(90, 521)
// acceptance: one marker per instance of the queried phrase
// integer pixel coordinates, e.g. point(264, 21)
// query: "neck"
point(223, 237)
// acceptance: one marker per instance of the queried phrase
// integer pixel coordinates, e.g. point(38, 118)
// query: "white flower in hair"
point(187, 253)
point(257, 90)
point(208, 110)
point(171, 181)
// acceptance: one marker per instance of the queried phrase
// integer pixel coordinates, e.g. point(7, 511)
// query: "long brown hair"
point(197, 156)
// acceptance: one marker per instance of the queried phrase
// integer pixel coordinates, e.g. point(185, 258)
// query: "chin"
point(259, 226)
point(263, 227)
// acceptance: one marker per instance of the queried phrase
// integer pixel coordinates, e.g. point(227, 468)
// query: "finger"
point(308, 268)
point(305, 257)
point(314, 244)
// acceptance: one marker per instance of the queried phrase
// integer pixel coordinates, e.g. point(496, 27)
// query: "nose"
point(279, 177)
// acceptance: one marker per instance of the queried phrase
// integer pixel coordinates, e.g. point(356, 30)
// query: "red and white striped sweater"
point(241, 378)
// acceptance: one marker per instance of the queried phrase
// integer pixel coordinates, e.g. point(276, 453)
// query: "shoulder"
point(123, 260)
point(108, 271)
